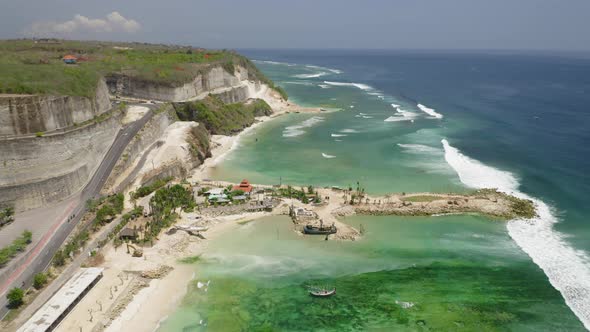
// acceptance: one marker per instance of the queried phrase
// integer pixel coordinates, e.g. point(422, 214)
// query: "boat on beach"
point(315, 230)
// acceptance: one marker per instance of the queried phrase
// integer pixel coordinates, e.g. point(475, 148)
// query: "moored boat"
point(314, 230)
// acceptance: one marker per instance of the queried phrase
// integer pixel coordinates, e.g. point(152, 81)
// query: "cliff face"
point(42, 170)
point(29, 114)
point(216, 81)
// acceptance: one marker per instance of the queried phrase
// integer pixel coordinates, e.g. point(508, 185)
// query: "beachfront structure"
point(69, 59)
point(244, 186)
point(57, 308)
point(128, 233)
point(215, 191)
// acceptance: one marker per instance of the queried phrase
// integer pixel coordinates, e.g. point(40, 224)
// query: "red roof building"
point(244, 186)
point(70, 59)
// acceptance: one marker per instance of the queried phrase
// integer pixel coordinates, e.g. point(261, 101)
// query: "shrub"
point(18, 245)
point(59, 259)
point(39, 280)
point(15, 297)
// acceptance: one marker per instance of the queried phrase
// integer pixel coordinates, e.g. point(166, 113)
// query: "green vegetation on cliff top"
point(220, 118)
point(36, 67)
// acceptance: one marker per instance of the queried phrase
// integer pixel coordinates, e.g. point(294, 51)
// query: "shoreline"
point(146, 307)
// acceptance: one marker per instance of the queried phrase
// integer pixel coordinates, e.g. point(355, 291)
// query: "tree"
point(15, 297)
point(39, 280)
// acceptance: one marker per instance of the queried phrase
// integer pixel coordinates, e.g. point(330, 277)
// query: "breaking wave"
point(298, 130)
point(356, 85)
point(314, 75)
point(337, 135)
point(325, 155)
point(419, 149)
point(430, 111)
point(324, 86)
point(402, 116)
point(568, 269)
point(334, 71)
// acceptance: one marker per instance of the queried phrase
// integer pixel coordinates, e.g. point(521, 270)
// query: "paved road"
point(40, 256)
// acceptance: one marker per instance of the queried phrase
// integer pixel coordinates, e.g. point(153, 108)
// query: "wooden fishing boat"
point(322, 292)
point(314, 230)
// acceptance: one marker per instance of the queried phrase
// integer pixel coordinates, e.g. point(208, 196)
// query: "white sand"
point(153, 303)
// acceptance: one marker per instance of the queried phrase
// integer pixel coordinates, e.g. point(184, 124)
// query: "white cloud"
point(113, 22)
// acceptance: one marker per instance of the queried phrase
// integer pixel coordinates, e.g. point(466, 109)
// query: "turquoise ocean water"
point(413, 122)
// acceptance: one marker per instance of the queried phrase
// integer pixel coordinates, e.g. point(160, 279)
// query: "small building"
point(217, 197)
point(215, 191)
point(244, 186)
point(70, 59)
point(128, 233)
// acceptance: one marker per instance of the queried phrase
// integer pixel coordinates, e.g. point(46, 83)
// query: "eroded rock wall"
point(215, 80)
point(30, 114)
point(37, 171)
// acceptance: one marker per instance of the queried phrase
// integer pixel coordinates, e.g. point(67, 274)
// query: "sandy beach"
point(125, 300)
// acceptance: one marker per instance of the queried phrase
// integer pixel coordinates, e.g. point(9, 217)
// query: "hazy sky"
point(402, 24)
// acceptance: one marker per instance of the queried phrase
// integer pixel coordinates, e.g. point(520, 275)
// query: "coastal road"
point(37, 259)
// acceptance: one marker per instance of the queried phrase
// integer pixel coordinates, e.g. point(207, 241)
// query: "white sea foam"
point(327, 156)
point(396, 106)
point(430, 111)
point(568, 269)
point(420, 149)
point(325, 86)
point(338, 140)
point(348, 130)
point(351, 106)
point(332, 70)
point(314, 75)
point(298, 130)
point(367, 117)
point(361, 113)
point(356, 85)
point(338, 135)
point(381, 97)
point(402, 116)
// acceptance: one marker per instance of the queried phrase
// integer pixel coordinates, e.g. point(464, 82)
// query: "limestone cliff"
point(30, 114)
point(215, 80)
point(42, 170)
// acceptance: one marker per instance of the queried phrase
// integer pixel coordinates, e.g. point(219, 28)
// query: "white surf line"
point(568, 269)
point(297, 130)
point(356, 85)
point(314, 75)
point(430, 111)
point(328, 156)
